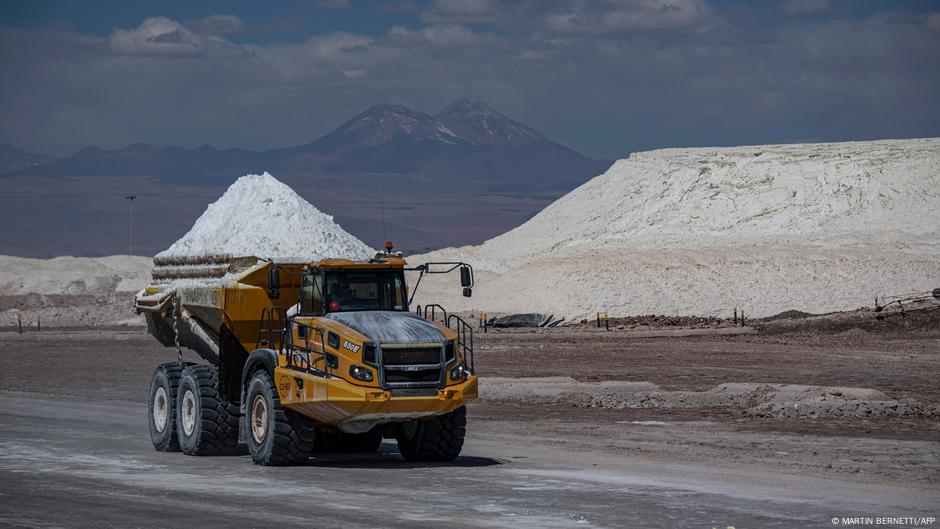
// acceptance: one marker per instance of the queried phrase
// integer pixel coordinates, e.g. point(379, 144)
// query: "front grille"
point(425, 375)
point(411, 355)
point(416, 392)
point(411, 367)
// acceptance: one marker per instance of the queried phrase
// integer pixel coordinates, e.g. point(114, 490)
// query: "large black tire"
point(276, 435)
point(206, 424)
point(436, 439)
point(161, 414)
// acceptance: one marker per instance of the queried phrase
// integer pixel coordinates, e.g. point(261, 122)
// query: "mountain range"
point(15, 159)
point(467, 145)
point(456, 177)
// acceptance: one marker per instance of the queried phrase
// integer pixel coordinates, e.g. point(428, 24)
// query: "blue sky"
point(605, 77)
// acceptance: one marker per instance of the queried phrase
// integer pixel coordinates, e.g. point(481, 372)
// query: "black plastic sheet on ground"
point(524, 320)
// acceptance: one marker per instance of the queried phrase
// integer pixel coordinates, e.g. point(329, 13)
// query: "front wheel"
point(276, 436)
point(436, 439)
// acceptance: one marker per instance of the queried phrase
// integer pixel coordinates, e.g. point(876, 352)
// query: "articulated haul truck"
point(303, 357)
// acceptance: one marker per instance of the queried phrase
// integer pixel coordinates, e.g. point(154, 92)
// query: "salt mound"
point(681, 198)
point(815, 227)
point(20, 276)
point(261, 216)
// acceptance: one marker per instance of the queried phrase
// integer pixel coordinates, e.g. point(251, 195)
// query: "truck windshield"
point(365, 290)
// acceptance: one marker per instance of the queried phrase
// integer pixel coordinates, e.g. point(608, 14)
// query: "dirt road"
point(74, 450)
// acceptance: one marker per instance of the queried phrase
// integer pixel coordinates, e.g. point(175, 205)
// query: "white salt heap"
point(815, 227)
point(72, 291)
point(261, 216)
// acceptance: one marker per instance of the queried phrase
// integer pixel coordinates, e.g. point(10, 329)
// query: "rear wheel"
point(162, 410)
point(206, 424)
point(276, 435)
point(436, 439)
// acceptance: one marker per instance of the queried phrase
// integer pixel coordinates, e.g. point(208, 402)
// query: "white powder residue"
point(813, 227)
point(263, 217)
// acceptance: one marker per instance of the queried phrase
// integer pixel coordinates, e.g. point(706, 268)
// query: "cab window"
point(365, 290)
point(311, 294)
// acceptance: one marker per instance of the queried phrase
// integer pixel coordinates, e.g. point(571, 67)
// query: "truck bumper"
point(336, 402)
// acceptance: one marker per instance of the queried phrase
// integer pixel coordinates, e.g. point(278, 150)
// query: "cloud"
point(933, 22)
point(157, 36)
point(798, 7)
point(217, 25)
point(401, 6)
point(461, 11)
point(437, 35)
point(332, 4)
point(628, 15)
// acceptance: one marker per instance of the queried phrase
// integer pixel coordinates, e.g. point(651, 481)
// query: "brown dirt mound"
point(922, 317)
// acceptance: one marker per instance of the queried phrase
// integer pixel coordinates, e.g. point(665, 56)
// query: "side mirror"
point(466, 279)
point(274, 282)
point(467, 292)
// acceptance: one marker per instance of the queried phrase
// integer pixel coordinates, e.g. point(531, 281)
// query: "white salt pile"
point(261, 216)
point(20, 276)
point(71, 291)
point(815, 227)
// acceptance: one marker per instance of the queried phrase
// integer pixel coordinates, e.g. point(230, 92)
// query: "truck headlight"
point(360, 373)
point(459, 372)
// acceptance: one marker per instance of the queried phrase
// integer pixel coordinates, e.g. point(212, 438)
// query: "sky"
point(605, 77)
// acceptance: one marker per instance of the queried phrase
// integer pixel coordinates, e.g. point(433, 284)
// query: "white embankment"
point(815, 227)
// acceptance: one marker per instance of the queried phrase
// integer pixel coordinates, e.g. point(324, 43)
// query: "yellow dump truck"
point(305, 357)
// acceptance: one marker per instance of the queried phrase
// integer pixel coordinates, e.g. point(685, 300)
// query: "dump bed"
point(191, 299)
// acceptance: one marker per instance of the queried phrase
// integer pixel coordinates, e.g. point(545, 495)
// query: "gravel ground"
point(74, 450)
point(671, 397)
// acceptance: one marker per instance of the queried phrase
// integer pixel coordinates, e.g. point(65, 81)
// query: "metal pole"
point(131, 198)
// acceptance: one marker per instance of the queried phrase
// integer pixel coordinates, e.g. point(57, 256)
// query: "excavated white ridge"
point(695, 231)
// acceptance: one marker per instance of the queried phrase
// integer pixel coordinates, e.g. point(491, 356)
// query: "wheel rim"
point(259, 419)
point(159, 409)
point(189, 412)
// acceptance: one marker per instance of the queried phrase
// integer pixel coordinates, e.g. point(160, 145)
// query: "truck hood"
point(390, 327)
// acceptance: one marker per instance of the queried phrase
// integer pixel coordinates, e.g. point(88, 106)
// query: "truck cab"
point(363, 310)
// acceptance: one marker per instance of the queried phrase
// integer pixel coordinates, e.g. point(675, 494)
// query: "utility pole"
point(131, 199)
point(383, 212)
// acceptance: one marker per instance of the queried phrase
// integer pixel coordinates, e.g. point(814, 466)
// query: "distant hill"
point(467, 145)
point(15, 159)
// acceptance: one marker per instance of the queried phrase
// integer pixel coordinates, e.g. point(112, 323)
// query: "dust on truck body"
point(305, 357)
